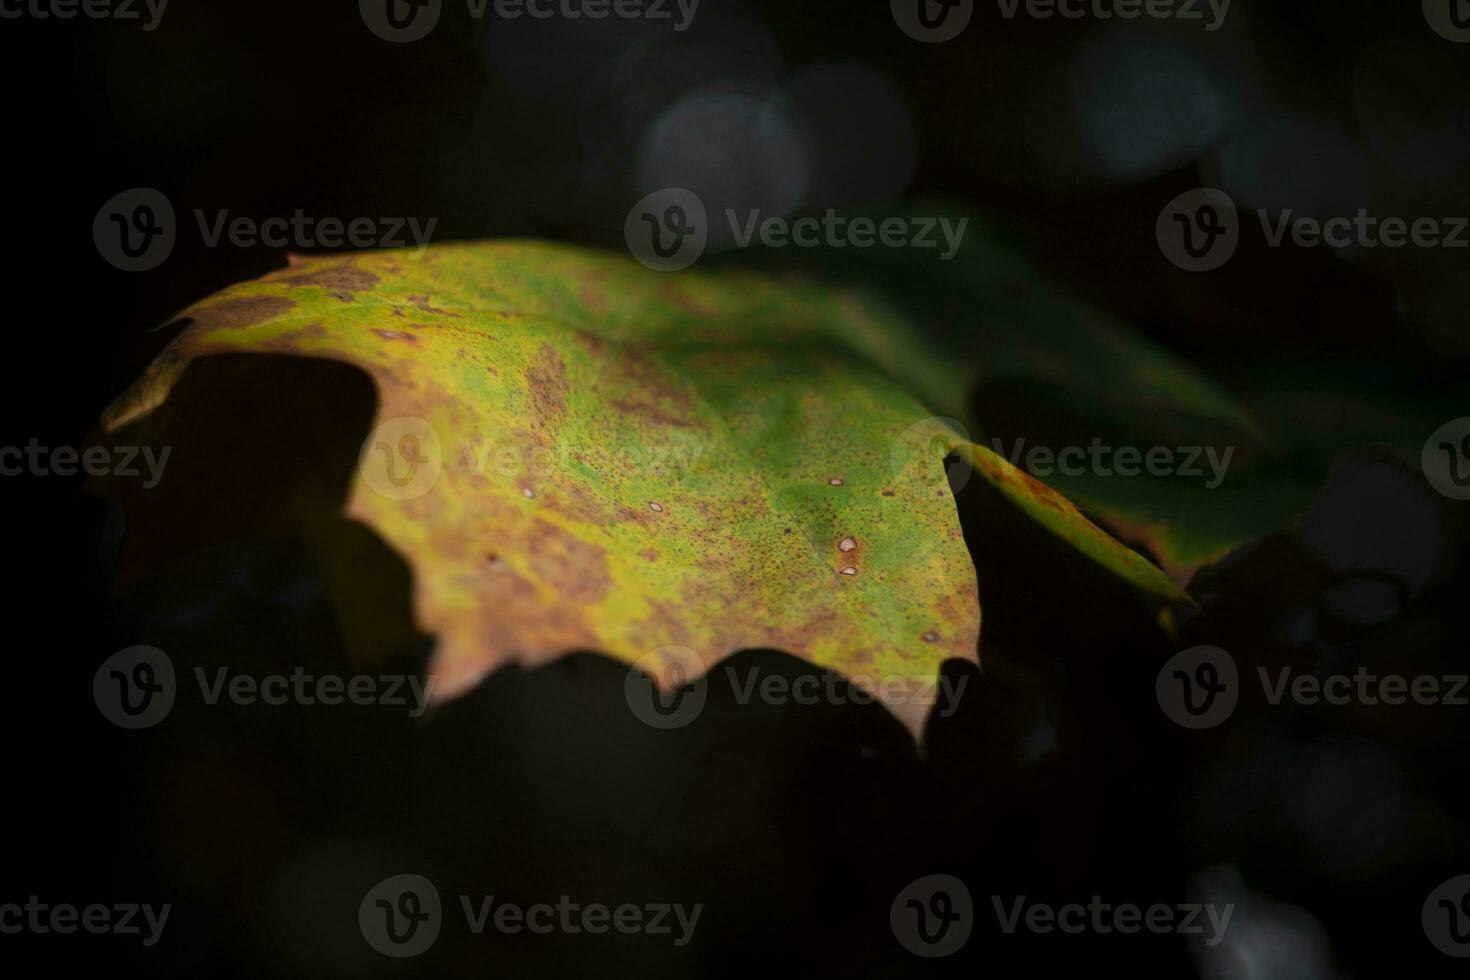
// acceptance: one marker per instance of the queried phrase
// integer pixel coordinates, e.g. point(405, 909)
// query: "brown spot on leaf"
point(647, 410)
point(575, 568)
point(635, 515)
point(546, 379)
point(243, 311)
point(580, 503)
point(592, 297)
point(339, 277)
point(291, 341)
point(422, 302)
point(645, 375)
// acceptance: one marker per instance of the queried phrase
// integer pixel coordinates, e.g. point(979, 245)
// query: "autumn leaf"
point(572, 452)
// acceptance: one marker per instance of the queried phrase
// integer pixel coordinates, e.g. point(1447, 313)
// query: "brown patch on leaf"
point(546, 379)
point(575, 568)
point(634, 514)
point(291, 341)
point(422, 302)
point(665, 625)
point(822, 624)
point(592, 297)
point(594, 344)
point(243, 311)
point(647, 410)
point(646, 375)
point(1012, 476)
point(342, 277)
point(582, 504)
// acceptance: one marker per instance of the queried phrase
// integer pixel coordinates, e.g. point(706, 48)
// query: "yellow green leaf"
point(573, 452)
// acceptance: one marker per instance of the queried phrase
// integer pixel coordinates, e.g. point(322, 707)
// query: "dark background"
point(794, 827)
